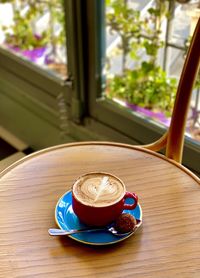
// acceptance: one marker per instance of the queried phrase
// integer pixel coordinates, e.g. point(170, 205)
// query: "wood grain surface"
point(168, 244)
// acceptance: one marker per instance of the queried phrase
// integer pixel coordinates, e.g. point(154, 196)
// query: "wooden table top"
point(167, 245)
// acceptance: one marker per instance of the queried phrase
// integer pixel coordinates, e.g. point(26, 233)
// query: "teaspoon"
point(60, 232)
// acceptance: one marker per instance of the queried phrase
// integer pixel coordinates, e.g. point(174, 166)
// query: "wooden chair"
point(173, 139)
point(167, 245)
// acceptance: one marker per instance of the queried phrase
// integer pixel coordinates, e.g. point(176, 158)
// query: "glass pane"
point(145, 53)
point(34, 30)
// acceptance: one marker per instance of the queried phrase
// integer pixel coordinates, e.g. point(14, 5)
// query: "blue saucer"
point(66, 219)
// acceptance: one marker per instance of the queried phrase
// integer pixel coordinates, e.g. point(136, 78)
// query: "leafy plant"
point(144, 88)
point(22, 33)
point(146, 84)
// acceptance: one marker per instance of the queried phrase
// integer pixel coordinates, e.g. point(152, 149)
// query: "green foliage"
point(22, 32)
point(127, 23)
point(146, 85)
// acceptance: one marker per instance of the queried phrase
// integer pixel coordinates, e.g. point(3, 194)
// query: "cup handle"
point(132, 196)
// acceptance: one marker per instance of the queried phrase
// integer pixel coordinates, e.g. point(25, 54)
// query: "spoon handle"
point(59, 232)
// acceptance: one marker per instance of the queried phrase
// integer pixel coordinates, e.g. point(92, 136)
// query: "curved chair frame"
point(173, 139)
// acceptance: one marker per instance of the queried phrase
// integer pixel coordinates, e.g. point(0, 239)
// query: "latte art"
point(98, 190)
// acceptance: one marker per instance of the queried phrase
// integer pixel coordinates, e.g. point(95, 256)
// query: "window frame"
point(34, 91)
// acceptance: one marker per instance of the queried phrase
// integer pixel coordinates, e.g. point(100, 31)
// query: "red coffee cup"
point(102, 215)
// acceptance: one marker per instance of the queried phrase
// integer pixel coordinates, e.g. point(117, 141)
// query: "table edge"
point(85, 143)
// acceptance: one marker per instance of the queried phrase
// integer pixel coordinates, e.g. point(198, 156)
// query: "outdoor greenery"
point(142, 81)
point(23, 32)
point(146, 83)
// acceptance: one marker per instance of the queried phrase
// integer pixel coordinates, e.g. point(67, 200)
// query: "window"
point(34, 68)
point(108, 62)
point(35, 31)
point(145, 52)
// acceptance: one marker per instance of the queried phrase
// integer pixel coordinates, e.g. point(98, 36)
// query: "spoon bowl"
point(60, 232)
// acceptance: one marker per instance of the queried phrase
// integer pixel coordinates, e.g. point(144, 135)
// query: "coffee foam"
point(98, 190)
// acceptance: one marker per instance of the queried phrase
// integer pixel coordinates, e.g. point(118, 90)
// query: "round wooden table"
point(167, 245)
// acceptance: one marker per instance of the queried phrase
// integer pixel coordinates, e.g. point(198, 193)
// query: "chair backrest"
point(173, 139)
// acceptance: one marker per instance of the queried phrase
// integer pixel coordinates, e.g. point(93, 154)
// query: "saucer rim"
point(86, 242)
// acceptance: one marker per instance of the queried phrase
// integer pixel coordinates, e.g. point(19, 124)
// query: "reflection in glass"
point(34, 30)
point(146, 46)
